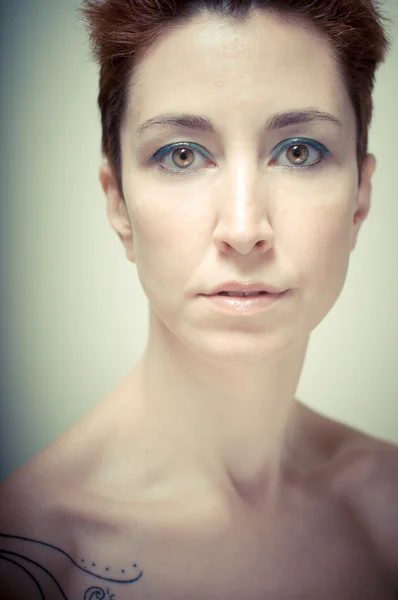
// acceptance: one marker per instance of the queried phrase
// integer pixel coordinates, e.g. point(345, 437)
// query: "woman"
point(237, 177)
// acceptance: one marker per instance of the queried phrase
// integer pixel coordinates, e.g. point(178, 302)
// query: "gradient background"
point(73, 316)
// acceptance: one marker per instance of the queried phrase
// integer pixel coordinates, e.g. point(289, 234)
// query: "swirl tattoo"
point(96, 593)
point(35, 571)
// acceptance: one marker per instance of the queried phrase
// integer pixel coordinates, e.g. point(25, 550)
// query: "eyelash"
point(285, 145)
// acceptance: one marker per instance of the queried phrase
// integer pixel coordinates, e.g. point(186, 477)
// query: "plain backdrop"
point(73, 314)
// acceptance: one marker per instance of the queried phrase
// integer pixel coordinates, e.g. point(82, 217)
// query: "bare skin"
point(78, 496)
point(201, 476)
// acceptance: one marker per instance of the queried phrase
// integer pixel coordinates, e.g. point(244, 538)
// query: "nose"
point(243, 225)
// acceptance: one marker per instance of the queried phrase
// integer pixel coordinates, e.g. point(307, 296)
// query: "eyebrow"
point(204, 124)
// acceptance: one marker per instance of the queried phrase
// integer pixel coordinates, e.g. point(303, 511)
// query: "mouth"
point(241, 294)
point(244, 303)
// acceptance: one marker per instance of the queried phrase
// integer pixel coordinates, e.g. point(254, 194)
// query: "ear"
point(362, 204)
point(118, 215)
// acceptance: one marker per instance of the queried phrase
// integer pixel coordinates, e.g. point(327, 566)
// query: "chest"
point(300, 556)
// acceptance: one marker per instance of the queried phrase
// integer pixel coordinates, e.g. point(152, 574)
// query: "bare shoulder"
point(33, 537)
point(362, 470)
point(366, 461)
point(354, 453)
point(58, 540)
point(42, 525)
point(45, 512)
point(365, 476)
point(360, 465)
point(37, 521)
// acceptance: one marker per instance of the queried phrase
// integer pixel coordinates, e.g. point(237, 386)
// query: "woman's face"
point(256, 199)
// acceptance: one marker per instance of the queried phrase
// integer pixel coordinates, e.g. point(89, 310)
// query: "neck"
point(228, 426)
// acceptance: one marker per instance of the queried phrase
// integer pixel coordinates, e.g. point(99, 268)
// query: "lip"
point(241, 286)
point(245, 305)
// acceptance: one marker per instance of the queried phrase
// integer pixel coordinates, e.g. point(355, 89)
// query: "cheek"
point(317, 220)
point(314, 237)
point(331, 244)
point(322, 258)
point(164, 244)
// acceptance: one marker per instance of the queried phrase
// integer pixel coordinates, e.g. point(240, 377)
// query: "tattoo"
point(128, 575)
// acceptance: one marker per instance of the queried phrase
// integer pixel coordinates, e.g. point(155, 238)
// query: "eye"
point(177, 159)
point(299, 153)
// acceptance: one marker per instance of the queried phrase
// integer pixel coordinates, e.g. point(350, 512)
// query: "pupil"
point(299, 153)
point(182, 156)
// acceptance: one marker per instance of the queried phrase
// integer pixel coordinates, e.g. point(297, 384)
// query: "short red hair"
point(122, 32)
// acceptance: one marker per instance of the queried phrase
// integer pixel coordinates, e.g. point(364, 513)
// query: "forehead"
point(229, 68)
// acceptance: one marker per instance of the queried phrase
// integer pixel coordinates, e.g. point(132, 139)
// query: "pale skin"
point(201, 467)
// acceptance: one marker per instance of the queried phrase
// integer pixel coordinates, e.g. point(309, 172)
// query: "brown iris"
point(183, 154)
point(298, 154)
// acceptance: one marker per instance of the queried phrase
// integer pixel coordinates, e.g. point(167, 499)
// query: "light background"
point(73, 315)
